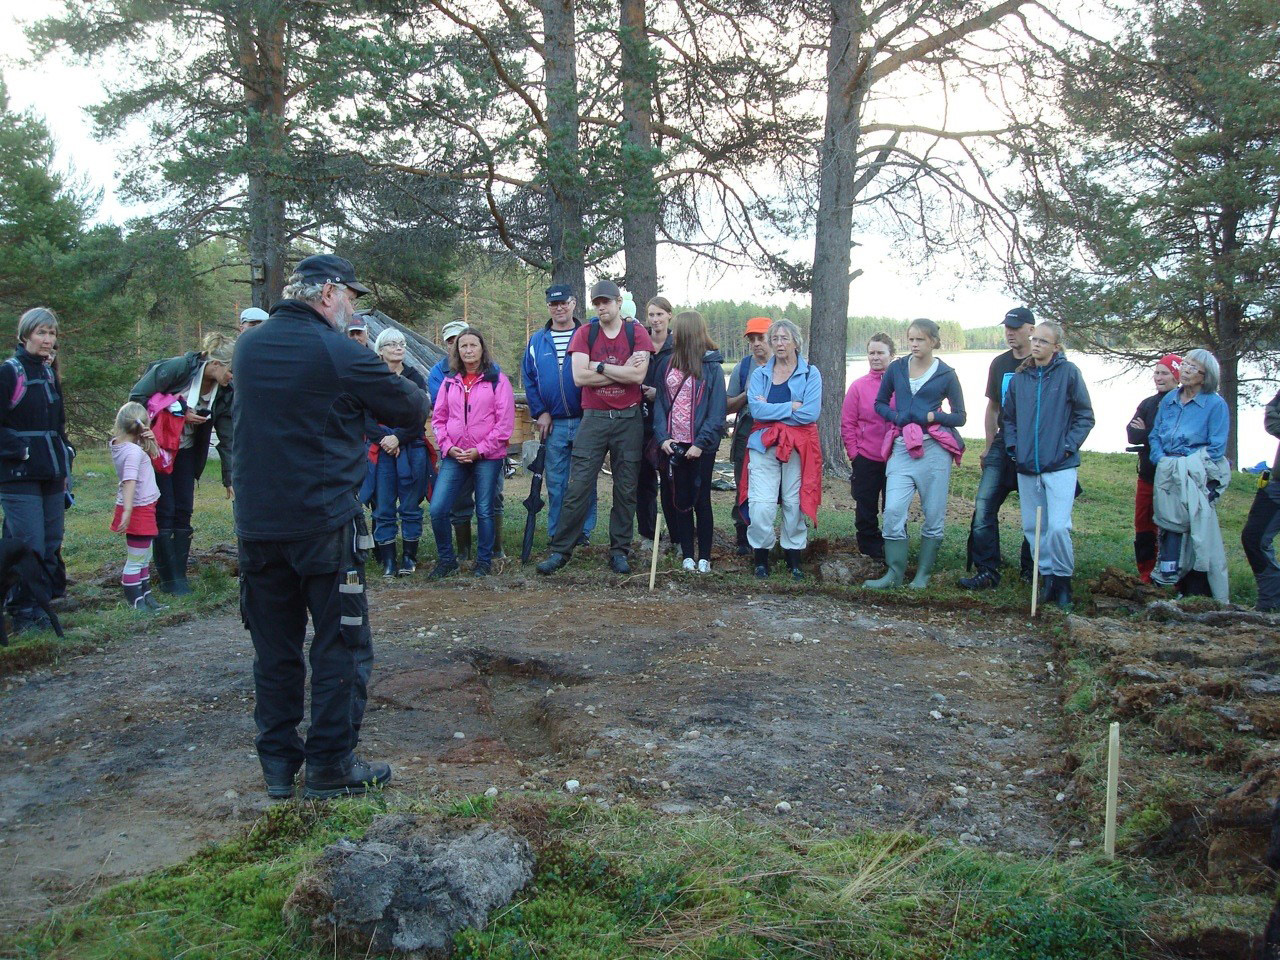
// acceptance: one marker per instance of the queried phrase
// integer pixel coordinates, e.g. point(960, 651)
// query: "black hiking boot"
point(347, 780)
point(762, 563)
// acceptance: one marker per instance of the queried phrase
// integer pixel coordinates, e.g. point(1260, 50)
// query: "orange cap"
point(759, 325)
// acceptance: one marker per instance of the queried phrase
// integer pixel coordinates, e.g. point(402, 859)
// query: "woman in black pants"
point(688, 422)
point(201, 383)
point(35, 458)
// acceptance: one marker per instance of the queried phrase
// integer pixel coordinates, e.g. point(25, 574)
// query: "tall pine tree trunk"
point(261, 57)
point(640, 190)
point(828, 328)
point(563, 181)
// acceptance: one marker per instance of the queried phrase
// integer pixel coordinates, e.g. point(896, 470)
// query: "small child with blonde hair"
point(132, 447)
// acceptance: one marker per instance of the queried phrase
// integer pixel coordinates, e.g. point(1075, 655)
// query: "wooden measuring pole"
point(1113, 786)
point(1035, 566)
point(657, 539)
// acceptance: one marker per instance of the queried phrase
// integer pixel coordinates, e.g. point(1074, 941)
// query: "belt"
point(632, 411)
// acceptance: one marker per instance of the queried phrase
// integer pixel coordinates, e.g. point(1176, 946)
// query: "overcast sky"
point(60, 92)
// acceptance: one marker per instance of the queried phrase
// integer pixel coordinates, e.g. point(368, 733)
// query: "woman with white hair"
point(1188, 447)
point(35, 458)
point(784, 455)
point(400, 471)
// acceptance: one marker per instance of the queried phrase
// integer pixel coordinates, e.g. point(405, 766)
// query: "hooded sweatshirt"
point(1047, 416)
point(862, 429)
point(708, 402)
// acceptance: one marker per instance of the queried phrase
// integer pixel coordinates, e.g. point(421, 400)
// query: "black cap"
point(558, 292)
point(1017, 317)
point(326, 268)
point(605, 288)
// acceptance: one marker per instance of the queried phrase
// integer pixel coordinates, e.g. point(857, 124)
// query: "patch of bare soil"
point(125, 760)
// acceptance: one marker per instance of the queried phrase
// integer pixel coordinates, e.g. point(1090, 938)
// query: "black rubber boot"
point(133, 596)
point(162, 557)
point(181, 552)
point(1062, 592)
point(148, 600)
point(744, 548)
point(762, 562)
point(498, 553)
point(462, 540)
point(408, 558)
point(793, 563)
point(387, 557)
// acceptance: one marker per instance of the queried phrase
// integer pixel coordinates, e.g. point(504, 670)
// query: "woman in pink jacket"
point(473, 418)
point(863, 431)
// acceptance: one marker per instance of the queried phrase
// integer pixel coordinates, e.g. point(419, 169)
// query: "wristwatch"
point(600, 368)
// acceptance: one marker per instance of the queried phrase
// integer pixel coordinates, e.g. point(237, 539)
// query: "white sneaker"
point(704, 566)
point(688, 564)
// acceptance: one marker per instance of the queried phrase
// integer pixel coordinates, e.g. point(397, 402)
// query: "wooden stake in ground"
point(1035, 566)
point(1113, 786)
point(657, 539)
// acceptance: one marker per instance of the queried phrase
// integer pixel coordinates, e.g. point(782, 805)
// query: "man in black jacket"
point(302, 389)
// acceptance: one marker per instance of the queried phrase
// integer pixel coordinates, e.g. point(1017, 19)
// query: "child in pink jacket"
point(473, 420)
point(864, 431)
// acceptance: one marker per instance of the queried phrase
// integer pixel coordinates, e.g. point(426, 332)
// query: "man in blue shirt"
point(555, 401)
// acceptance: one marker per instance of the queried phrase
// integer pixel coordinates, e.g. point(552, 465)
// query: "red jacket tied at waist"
point(784, 439)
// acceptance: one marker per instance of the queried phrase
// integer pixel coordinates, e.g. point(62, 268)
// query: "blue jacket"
point(548, 384)
point(1183, 428)
point(915, 408)
point(708, 403)
point(1047, 415)
point(805, 385)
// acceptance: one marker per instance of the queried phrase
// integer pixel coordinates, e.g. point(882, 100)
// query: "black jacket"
point(407, 436)
point(33, 430)
point(708, 403)
point(174, 376)
point(302, 389)
point(1142, 438)
point(660, 357)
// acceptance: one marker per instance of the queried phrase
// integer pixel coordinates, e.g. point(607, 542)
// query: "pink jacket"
point(484, 419)
point(861, 427)
point(913, 436)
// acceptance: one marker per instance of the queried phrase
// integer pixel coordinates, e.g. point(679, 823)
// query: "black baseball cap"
point(559, 292)
point(326, 268)
point(1017, 317)
point(607, 289)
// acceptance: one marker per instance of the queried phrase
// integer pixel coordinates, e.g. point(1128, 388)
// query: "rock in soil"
point(410, 885)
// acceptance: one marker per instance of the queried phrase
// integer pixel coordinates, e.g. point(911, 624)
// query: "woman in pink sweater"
point(473, 419)
point(863, 431)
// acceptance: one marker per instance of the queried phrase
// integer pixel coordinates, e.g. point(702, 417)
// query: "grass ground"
point(626, 883)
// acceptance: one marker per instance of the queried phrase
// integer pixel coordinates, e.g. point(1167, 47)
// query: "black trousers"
point(647, 500)
point(281, 583)
point(866, 483)
point(177, 492)
point(686, 499)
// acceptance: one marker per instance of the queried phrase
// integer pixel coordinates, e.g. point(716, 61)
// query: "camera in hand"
point(679, 449)
point(203, 411)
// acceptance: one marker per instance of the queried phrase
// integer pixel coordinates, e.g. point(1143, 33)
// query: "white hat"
point(253, 315)
point(452, 329)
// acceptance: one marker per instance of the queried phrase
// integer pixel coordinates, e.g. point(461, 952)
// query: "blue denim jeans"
point(559, 456)
point(484, 474)
point(999, 479)
point(400, 484)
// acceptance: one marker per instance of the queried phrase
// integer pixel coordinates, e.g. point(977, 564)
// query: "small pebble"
point(1073, 843)
point(962, 791)
point(459, 735)
point(935, 714)
point(1060, 797)
point(571, 786)
point(692, 734)
point(491, 792)
point(797, 638)
point(782, 807)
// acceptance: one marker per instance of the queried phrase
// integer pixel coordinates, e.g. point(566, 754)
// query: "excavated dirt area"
point(131, 758)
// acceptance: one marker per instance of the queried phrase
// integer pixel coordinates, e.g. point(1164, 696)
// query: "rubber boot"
point(924, 566)
point(387, 557)
point(895, 558)
point(408, 558)
point(181, 551)
point(793, 563)
point(462, 540)
point(762, 563)
point(162, 548)
point(498, 554)
point(133, 596)
point(744, 548)
point(150, 602)
point(1062, 593)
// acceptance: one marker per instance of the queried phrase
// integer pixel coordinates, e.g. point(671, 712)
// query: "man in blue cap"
point(999, 472)
point(302, 390)
point(555, 401)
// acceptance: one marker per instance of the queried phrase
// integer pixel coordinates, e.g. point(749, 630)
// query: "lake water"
point(1115, 395)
